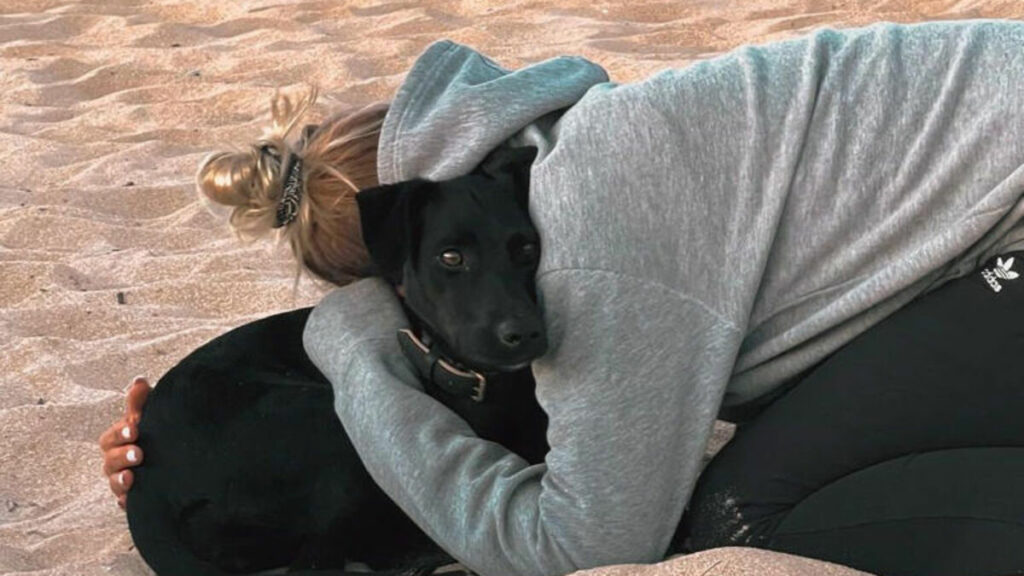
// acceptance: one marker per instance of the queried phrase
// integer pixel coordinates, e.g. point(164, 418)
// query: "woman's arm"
point(628, 425)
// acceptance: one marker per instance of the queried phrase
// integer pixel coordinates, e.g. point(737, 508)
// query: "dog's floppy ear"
point(511, 162)
point(386, 217)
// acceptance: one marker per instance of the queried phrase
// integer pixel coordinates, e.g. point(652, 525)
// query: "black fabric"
point(901, 454)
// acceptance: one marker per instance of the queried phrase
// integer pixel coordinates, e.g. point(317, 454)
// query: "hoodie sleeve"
point(612, 422)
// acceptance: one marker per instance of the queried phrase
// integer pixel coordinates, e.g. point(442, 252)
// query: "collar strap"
point(431, 366)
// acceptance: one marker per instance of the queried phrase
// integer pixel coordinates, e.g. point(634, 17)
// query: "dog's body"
point(247, 467)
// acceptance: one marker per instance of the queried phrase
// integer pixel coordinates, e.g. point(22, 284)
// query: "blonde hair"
point(339, 158)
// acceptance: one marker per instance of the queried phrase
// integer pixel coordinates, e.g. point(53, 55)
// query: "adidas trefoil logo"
point(1002, 271)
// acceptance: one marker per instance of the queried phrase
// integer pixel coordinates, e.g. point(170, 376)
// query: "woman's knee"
point(721, 516)
point(954, 510)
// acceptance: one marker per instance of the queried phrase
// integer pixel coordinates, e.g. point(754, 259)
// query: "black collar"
point(431, 366)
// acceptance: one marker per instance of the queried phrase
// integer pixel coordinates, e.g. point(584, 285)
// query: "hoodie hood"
point(456, 105)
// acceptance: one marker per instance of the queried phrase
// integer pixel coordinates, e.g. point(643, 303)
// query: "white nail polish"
point(120, 478)
point(126, 432)
point(131, 383)
point(131, 455)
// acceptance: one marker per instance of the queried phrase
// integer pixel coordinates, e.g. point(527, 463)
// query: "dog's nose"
point(515, 333)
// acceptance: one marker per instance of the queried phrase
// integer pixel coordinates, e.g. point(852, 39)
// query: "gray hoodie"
point(708, 234)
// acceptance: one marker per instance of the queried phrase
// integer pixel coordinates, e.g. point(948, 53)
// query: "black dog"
point(465, 266)
point(247, 467)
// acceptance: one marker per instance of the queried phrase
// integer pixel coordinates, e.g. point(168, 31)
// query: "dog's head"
point(463, 254)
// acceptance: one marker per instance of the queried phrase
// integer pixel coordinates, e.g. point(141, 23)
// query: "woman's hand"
point(119, 454)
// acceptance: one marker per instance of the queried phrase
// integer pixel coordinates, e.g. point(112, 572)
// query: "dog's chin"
point(498, 367)
point(490, 364)
point(513, 367)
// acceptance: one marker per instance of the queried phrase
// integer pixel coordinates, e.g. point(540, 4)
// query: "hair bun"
point(338, 158)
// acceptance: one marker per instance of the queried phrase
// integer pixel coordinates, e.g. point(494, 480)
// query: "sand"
point(106, 108)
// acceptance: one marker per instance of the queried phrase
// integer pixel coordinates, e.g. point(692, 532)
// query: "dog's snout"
point(516, 333)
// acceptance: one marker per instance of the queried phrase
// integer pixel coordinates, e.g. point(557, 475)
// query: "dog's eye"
point(526, 253)
point(451, 258)
point(530, 250)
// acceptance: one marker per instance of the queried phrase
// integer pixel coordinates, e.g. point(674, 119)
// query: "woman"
point(709, 236)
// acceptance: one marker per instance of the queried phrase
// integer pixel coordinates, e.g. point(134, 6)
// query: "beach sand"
point(109, 267)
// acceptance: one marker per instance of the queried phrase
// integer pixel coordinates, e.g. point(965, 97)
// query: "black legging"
point(901, 454)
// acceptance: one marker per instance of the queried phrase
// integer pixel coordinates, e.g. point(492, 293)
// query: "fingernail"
point(126, 432)
point(120, 478)
point(132, 457)
point(133, 381)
